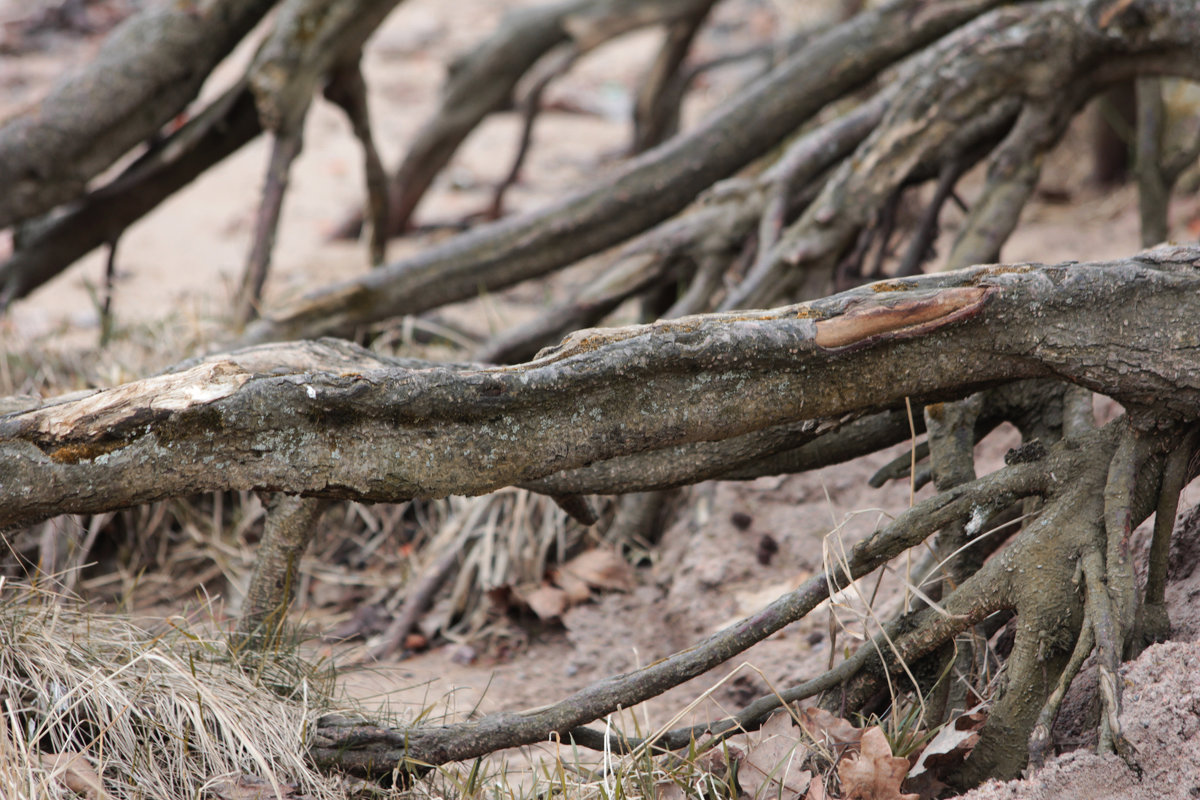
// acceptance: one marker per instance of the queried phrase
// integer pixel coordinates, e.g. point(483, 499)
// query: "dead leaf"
point(501, 597)
point(873, 773)
point(925, 786)
point(548, 602)
point(576, 587)
point(76, 773)
point(816, 789)
point(601, 568)
point(772, 766)
point(829, 729)
point(950, 747)
point(717, 760)
point(669, 790)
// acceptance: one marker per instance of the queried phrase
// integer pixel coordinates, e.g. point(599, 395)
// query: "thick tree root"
point(1056, 574)
point(1153, 625)
point(371, 751)
point(291, 523)
point(650, 189)
point(604, 395)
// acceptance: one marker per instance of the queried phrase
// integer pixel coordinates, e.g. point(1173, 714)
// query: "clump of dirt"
point(1160, 718)
point(1183, 578)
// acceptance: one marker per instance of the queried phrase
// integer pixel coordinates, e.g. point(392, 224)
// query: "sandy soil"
point(183, 260)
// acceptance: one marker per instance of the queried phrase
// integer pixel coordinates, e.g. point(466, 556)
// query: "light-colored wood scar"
point(908, 318)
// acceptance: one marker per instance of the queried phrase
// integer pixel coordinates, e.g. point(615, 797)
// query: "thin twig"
point(286, 147)
point(348, 90)
point(555, 66)
point(418, 599)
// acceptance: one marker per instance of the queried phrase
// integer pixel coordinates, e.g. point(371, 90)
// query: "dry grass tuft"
point(149, 715)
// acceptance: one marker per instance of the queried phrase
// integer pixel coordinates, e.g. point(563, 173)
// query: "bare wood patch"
point(907, 318)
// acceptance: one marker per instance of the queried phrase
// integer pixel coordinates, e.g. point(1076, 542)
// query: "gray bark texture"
point(329, 420)
point(648, 190)
point(146, 73)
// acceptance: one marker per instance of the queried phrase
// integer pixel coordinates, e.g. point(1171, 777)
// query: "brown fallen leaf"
point(873, 773)
point(548, 602)
point(669, 790)
point(946, 751)
point(816, 789)
point(829, 729)
point(76, 773)
point(772, 765)
point(717, 760)
point(601, 568)
point(576, 587)
point(925, 786)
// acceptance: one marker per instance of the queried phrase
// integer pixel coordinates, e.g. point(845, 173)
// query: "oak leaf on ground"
point(773, 764)
point(873, 773)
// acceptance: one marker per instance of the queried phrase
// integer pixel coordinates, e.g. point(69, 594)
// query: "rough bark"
point(145, 74)
point(291, 523)
point(311, 40)
point(1043, 59)
point(646, 191)
point(330, 421)
point(49, 247)
point(708, 233)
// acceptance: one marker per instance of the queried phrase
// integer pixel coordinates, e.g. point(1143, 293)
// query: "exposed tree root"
point(553, 67)
point(311, 40)
point(649, 190)
point(755, 370)
point(372, 751)
point(674, 383)
point(348, 90)
point(1157, 168)
point(659, 99)
point(483, 81)
point(50, 244)
point(1066, 476)
point(291, 523)
point(284, 150)
point(733, 395)
point(1153, 625)
point(162, 56)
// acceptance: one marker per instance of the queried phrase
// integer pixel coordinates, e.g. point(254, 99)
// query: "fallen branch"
point(648, 190)
point(149, 68)
point(327, 420)
point(374, 751)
